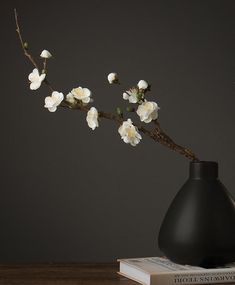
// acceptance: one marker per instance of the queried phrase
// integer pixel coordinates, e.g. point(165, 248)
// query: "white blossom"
point(142, 84)
point(129, 133)
point(53, 101)
point(125, 96)
point(131, 95)
point(92, 118)
point(36, 79)
point(82, 94)
point(148, 111)
point(112, 78)
point(45, 54)
point(70, 98)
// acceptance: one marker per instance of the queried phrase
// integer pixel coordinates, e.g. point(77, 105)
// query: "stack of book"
point(161, 271)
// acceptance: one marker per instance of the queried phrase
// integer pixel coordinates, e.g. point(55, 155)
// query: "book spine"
point(194, 278)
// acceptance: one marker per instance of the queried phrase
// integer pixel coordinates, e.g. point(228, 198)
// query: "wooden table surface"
point(66, 274)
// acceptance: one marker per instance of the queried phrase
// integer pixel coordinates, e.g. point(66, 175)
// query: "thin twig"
point(45, 65)
point(22, 42)
point(25, 50)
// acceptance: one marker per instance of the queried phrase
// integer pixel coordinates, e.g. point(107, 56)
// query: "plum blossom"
point(142, 84)
point(70, 98)
point(82, 94)
point(132, 95)
point(45, 54)
point(92, 118)
point(36, 79)
point(53, 101)
point(148, 111)
point(112, 78)
point(129, 133)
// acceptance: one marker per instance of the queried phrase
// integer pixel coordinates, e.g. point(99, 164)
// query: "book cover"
point(161, 271)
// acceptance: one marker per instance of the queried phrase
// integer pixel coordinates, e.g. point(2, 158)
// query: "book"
point(161, 271)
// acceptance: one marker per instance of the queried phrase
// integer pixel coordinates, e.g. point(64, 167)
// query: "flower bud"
point(26, 45)
point(45, 54)
point(142, 84)
point(119, 111)
point(130, 109)
point(113, 78)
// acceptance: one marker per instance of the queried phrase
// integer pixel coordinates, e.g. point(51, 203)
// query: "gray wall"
point(70, 194)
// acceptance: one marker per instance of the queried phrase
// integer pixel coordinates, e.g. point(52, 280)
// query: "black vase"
point(199, 226)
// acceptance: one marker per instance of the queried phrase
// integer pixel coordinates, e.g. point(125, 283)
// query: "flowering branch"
point(25, 48)
point(157, 134)
point(79, 98)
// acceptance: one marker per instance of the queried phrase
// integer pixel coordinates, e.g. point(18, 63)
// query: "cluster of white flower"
point(53, 101)
point(34, 77)
point(146, 110)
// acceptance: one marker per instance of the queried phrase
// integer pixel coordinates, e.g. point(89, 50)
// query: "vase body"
point(199, 226)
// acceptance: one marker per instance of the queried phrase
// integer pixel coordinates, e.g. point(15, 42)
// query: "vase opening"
point(203, 170)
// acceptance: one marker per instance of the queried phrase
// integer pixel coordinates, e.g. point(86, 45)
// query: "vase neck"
point(203, 170)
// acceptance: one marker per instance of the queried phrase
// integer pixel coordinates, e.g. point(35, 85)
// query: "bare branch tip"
point(15, 13)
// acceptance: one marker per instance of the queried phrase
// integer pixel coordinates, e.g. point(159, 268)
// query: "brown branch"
point(22, 42)
point(25, 50)
point(157, 134)
point(45, 65)
point(170, 143)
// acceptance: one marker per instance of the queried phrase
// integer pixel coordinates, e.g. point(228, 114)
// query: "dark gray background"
point(70, 194)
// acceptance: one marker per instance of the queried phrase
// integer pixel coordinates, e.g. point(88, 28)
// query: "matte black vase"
point(199, 226)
